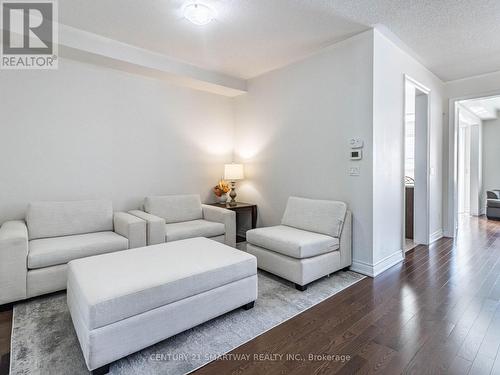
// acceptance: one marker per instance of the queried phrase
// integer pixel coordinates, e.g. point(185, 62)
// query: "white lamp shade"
point(233, 172)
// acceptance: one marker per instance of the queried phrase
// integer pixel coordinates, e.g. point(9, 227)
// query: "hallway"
point(436, 313)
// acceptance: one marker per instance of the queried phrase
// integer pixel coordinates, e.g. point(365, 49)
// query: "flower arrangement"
point(221, 188)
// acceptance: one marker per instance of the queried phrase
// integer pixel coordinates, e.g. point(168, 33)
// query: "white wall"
point(470, 120)
point(292, 132)
point(85, 131)
point(491, 156)
point(476, 170)
point(390, 65)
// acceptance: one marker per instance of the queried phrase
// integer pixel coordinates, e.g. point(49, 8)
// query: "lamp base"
point(232, 194)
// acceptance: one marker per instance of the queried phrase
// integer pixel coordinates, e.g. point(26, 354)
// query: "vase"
point(222, 199)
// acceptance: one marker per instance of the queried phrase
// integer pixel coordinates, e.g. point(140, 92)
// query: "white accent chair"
point(34, 252)
point(313, 240)
point(178, 217)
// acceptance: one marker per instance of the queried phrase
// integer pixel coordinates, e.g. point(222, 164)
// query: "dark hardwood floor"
point(436, 313)
point(5, 330)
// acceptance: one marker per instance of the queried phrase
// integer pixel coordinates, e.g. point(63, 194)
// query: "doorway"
point(416, 165)
point(473, 160)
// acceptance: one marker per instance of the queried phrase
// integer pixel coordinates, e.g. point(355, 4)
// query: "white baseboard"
point(437, 235)
point(373, 270)
point(362, 268)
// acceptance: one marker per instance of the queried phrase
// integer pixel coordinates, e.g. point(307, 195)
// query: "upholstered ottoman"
point(123, 302)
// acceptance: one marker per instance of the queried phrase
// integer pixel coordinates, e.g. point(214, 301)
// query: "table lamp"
point(233, 172)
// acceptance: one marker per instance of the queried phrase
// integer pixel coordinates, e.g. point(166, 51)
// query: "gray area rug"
point(44, 340)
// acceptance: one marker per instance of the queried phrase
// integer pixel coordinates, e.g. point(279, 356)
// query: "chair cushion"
point(494, 203)
point(55, 219)
point(193, 228)
point(47, 252)
point(112, 287)
point(293, 242)
point(175, 208)
point(318, 216)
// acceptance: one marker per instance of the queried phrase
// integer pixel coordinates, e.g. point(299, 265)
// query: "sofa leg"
point(345, 269)
point(249, 305)
point(101, 370)
point(300, 287)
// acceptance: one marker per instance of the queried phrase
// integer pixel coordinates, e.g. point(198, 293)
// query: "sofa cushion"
point(493, 194)
point(293, 242)
point(46, 252)
point(193, 228)
point(112, 287)
point(318, 216)
point(55, 219)
point(174, 208)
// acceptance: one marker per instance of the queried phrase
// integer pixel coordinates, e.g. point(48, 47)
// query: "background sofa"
point(313, 240)
point(177, 217)
point(34, 252)
point(493, 204)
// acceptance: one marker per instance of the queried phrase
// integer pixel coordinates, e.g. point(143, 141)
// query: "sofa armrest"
point(224, 216)
point(13, 261)
point(130, 227)
point(346, 241)
point(155, 228)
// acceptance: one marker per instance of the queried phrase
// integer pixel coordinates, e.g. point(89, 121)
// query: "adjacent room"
point(249, 187)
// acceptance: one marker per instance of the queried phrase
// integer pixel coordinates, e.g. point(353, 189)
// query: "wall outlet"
point(354, 171)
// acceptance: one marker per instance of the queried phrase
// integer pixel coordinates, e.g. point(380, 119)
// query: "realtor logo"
point(29, 35)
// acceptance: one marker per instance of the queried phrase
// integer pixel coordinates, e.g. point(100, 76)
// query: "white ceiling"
point(247, 38)
point(485, 109)
point(453, 38)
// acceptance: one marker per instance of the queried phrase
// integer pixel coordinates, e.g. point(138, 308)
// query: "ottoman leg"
point(300, 287)
point(249, 305)
point(101, 370)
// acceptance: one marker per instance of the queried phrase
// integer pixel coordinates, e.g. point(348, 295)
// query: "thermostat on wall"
point(356, 143)
point(356, 154)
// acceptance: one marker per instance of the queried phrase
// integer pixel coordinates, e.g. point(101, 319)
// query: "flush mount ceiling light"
point(199, 14)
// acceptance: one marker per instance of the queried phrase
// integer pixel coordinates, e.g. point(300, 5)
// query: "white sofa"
point(34, 252)
point(123, 302)
point(313, 240)
point(178, 217)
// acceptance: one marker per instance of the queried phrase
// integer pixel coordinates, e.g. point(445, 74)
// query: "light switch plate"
point(354, 171)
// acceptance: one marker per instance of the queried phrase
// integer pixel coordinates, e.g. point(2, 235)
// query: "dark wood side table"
point(241, 208)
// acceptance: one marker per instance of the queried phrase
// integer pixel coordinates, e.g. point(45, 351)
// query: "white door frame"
point(426, 91)
point(452, 210)
point(464, 146)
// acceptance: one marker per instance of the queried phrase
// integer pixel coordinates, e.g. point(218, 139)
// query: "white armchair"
point(176, 217)
point(34, 253)
point(313, 240)
point(13, 255)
